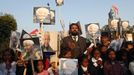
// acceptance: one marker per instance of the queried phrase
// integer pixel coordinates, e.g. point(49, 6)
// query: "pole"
point(94, 41)
point(61, 20)
point(32, 66)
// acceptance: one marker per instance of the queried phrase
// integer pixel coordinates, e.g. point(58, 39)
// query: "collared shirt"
point(84, 68)
point(95, 62)
point(44, 72)
point(75, 38)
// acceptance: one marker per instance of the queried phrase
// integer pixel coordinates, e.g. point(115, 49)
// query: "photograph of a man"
point(46, 45)
point(31, 50)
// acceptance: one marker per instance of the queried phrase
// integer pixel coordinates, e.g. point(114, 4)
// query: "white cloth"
point(75, 37)
point(84, 68)
point(116, 44)
point(12, 70)
point(95, 62)
point(50, 72)
point(131, 67)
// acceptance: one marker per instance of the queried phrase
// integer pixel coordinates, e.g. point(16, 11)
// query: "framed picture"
point(50, 41)
point(129, 37)
point(14, 40)
point(41, 14)
point(52, 17)
point(92, 28)
point(68, 66)
point(114, 24)
point(31, 48)
point(92, 31)
point(125, 25)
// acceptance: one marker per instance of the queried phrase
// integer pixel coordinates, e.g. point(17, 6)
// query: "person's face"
point(74, 29)
point(104, 49)
point(104, 39)
point(112, 55)
point(85, 62)
point(46, 40)
point(96, 54)
point(27, 47)
point(68, 54)
point(114, 24)
point(40, 66)
point(124, 57)
point(125, 25)
point(129, 46)
point(93, 28)
point(53, 65)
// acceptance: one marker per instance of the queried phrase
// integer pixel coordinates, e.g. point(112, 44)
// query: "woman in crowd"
point(112, 66)
point(8, 67)
point(131, 64)
point(123, 60)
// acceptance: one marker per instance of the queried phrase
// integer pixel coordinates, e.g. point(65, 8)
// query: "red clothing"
point(46, 64)
point(44, 72)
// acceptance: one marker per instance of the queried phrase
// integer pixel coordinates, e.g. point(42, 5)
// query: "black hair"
point(110, 50)
point(82, 58)
point(79, 28)
point(13, 56)
point(36, 65)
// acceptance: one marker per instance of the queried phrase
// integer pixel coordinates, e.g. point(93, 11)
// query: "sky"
point(85, 11)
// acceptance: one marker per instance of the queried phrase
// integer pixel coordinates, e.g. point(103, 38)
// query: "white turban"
point(28, 42)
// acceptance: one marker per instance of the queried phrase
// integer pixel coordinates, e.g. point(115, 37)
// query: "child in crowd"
point(20, 66)
point(40, 68)
point(97, 62)
point(53, 70)
point(103, 51)
point(67, 53)
point(83, 68)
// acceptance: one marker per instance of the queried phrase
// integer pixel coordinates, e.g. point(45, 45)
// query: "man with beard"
point(74, 42)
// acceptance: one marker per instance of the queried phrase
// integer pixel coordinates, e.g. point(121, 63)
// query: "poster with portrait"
point(113, 25)
point(31, 48)
point(50, 45)
point(129, 37)
point(68, 66)
point(41, 14)
point(52, 17)
point(92, 31)
point(44, 15)
point(14, 40)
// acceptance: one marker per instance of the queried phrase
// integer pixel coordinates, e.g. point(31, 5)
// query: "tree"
point(7, 24)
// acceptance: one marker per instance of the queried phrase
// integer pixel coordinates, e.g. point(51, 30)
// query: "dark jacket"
point(80, 45)
point(112, 68)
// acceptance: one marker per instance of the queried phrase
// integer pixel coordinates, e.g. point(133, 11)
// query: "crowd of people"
point(102, 59)
point(99, 59)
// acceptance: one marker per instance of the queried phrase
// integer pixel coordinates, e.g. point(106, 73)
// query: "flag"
point(24, 35)
point(34, 32)
point(115, 9)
